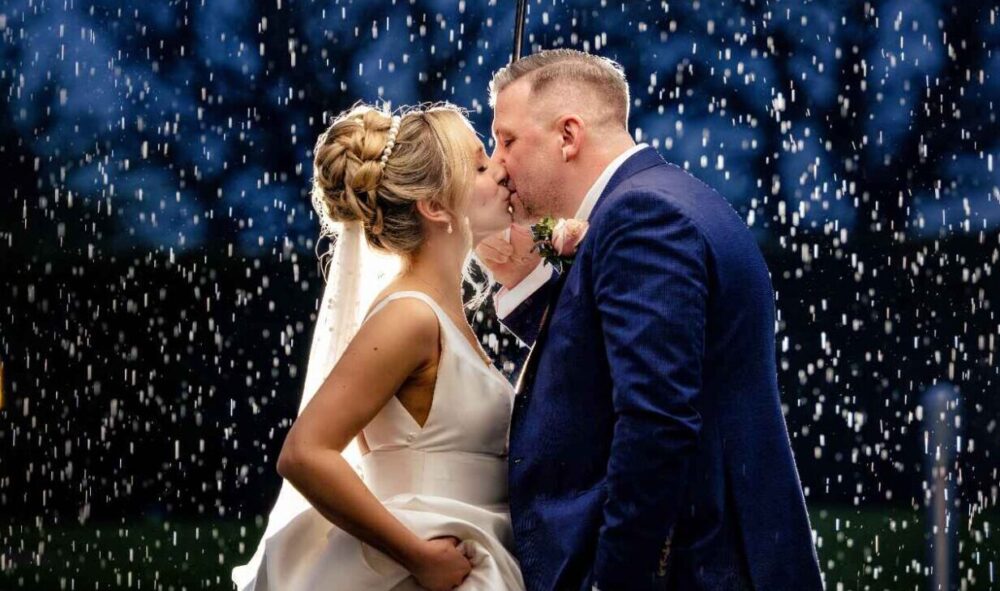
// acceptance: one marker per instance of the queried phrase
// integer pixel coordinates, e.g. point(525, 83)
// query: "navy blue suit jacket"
point(649, 451)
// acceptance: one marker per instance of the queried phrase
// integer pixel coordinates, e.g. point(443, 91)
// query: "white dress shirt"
point(507, 300)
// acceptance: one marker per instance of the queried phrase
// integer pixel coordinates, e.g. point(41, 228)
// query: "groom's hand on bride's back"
point(509, 260)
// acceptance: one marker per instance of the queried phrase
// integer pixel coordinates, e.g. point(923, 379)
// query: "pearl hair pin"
point(390, 141)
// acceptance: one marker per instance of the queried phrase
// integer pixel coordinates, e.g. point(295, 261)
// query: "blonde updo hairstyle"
point(431, 159)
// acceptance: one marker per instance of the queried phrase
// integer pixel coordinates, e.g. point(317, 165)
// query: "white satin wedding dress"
point(446, 478)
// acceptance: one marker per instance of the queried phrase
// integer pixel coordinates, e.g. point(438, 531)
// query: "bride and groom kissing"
point(644, 445)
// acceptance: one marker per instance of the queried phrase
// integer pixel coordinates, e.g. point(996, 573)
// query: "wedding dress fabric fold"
point(447, 477)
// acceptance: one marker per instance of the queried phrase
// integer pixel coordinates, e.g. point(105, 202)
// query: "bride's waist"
point(475, 478)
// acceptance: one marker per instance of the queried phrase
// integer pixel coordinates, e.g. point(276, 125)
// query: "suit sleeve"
point(650, 285)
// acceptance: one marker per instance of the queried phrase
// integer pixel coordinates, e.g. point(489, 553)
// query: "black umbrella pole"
point(518, 29)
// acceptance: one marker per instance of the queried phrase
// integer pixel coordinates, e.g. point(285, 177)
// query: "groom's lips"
point(516, 204)
point(510, 202)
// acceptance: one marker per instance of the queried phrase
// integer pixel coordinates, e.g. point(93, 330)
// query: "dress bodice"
point(447, 478)
point(460, 451)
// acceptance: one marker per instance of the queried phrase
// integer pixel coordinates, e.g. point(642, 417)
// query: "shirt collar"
point(590, 199)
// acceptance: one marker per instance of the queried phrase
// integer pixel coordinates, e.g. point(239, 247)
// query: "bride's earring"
point(449, 228)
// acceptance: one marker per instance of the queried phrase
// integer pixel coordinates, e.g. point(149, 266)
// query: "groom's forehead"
point(498, 128)
point(510, 101)
point(504, 119)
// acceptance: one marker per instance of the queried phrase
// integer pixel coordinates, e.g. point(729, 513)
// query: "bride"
point(404, 390)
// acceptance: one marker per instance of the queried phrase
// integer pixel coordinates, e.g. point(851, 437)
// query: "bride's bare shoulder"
point(408, 321)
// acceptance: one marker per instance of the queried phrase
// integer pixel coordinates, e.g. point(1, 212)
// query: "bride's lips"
point(516, 205)
point(511, 194)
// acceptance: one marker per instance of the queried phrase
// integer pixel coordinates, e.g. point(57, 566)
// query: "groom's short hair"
point(604, 77)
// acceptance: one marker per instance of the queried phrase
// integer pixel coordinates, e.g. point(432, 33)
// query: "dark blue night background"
point(159, 269)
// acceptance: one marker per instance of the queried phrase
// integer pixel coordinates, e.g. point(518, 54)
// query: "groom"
point(647, 446)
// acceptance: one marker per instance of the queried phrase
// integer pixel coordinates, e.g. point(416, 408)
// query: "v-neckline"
point(481, 361)
point(489, 368)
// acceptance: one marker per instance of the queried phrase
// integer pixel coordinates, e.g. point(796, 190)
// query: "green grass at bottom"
point(161, 556)
point(888, 548)
point(859, 549)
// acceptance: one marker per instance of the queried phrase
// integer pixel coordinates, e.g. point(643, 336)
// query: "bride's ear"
point(433, 212)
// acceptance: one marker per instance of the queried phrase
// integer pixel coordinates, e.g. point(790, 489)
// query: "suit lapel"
point(527, 377)
point(638, 162)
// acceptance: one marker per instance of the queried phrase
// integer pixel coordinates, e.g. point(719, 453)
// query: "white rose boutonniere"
point(557, 241)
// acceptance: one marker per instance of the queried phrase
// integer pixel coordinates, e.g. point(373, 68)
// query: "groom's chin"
point(519, 214)
point(525, 220)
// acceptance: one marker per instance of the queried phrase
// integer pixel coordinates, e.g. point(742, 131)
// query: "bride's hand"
point(442, 565)
point(509, 255)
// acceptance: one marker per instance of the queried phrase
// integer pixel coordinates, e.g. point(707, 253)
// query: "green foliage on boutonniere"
point(542, 233)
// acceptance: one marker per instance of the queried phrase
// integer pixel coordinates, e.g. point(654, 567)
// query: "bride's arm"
point(392, 345)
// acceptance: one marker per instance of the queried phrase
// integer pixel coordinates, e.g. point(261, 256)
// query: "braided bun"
point(430, 160)
point(346, 166)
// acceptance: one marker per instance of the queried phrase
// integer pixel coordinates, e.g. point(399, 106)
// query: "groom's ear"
point(572, 132)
